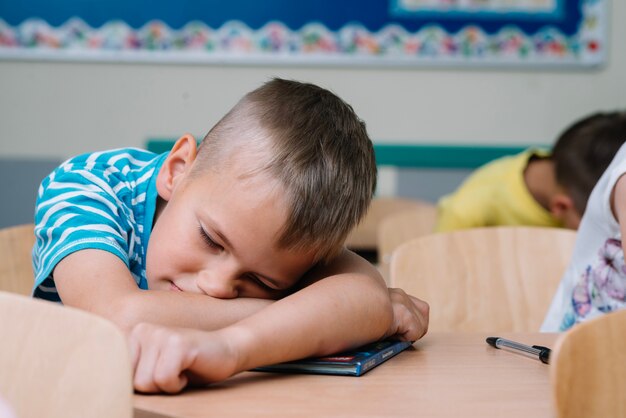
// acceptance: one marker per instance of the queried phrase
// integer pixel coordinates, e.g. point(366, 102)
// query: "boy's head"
point(274, 188)
point(315, 145)
point(583, 152)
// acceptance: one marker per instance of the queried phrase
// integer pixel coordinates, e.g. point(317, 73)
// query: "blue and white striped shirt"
point(104, 200)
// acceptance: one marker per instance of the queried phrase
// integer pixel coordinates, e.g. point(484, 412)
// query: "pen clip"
point(544, 353)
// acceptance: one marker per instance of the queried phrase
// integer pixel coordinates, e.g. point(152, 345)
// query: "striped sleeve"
point(78, 207)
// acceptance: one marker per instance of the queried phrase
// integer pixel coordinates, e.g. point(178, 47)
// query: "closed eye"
point(261, 283)
point(208, 240)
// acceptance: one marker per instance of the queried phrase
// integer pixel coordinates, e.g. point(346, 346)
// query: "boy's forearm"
point(80, 276)
point(329, 316)
point(184, 310)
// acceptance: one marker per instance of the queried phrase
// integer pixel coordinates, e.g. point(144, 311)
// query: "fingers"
point(135, 351)
point(164, 358)
point(423, 309)
point(411, 316)
point(168, 373)
point(159, 359)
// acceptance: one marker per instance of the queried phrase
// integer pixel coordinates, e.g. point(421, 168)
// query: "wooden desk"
point(443, 375)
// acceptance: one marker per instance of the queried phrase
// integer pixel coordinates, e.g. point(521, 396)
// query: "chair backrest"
point(401, 227)
point(16, 269)
point(57, 361)
point(484, 279)
point(365, 235)
point(588, 369)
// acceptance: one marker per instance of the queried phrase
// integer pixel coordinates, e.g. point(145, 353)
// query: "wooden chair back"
point(588, 369)
point(365, 235)
point(16, 268)
point(484, 279)
point(58, 361)
point(398, 228)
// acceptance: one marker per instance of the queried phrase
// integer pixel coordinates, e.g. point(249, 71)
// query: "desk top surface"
point(443, 375)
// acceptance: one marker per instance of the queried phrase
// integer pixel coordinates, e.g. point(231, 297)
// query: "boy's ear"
point(176, 165)
point(560, 204)
point(562, 207)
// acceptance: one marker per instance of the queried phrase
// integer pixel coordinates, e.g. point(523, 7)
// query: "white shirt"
point(595, 280)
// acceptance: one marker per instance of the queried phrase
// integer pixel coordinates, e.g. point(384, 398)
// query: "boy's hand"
point(410, 316)
point(167, 359)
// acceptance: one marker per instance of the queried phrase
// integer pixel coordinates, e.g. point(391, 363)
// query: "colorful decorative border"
point(275, 43)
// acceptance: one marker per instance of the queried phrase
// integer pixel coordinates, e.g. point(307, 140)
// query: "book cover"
point(349, 363)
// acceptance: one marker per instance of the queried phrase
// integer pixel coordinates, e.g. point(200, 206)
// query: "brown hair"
point(318, 149)
point(584, 151)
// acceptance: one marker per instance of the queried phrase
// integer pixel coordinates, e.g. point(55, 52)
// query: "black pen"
point(537, 351)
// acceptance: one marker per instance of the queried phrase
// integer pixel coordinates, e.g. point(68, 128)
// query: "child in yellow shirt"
point(535, 187)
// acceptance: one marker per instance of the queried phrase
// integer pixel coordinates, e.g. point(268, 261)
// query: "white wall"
point(61, 109)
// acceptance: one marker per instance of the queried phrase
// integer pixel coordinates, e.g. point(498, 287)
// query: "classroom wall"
point(52, 110)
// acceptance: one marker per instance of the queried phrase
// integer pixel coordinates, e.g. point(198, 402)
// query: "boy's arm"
point(346, 309)
point(618, 206)
point(99, 282)
point(410, 314)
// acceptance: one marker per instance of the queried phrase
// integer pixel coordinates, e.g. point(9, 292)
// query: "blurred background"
point(56, 102)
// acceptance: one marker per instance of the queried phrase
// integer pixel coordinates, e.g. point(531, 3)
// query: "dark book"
point(349, 363)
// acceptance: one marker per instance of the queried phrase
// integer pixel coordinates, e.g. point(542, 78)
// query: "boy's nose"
point(217, 285)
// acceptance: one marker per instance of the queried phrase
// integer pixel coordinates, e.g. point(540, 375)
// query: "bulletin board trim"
point(313, 44)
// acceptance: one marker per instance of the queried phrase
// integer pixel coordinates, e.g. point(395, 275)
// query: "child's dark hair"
point(316, 146)
point(584, 151)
